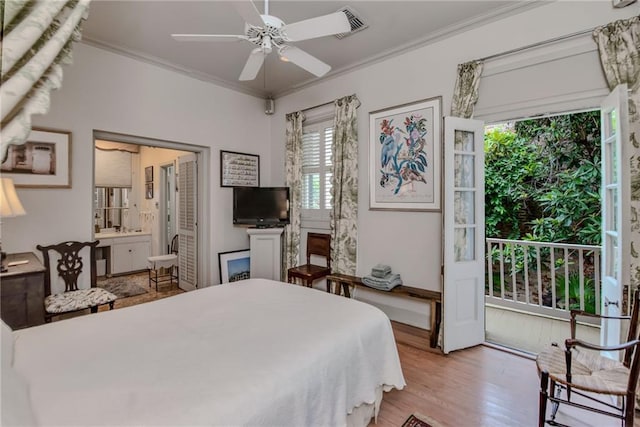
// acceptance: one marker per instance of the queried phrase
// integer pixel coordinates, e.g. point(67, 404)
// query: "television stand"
point(266, 252)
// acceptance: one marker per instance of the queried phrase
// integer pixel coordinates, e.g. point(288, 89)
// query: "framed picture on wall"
point(239, 169)
point(43, 161)
point(148, 174)
point(148, 190)
point(234, 265)
point(405, 156)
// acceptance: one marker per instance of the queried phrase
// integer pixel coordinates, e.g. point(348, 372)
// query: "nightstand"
point(22, 292)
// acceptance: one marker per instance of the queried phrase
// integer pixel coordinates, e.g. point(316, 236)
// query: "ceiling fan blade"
point(249, 12)
point(253, 65)
point(334, 23)
point(208, 37)
point(303, 60)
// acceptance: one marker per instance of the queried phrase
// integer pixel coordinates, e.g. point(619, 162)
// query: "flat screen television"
point(261, 206)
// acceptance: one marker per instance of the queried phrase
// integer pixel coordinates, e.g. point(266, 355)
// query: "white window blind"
point(553, 78)
point(113, 168)
point(317, 170)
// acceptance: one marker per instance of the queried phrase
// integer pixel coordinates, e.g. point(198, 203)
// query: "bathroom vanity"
point(125, 252)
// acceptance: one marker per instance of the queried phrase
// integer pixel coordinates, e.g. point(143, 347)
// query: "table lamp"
point(10, 206)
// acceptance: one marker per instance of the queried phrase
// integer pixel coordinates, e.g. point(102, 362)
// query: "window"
point(317, 159)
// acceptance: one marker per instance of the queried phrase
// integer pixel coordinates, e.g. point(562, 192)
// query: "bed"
point(255, 352)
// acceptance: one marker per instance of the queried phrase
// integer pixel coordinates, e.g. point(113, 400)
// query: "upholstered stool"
point(169, 262)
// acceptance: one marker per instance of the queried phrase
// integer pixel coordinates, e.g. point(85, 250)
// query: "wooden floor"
point(481, 386)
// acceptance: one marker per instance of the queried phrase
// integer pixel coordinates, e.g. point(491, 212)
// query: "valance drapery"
point(465, 92)
point(37, 38)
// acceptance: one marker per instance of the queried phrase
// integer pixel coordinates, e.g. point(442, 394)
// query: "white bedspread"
point(255, 352)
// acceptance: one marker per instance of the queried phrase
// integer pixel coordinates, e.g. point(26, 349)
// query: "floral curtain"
point(37, 37)
point(465, 92)
point(619, 47)
point(293, 180)
point(344, 189)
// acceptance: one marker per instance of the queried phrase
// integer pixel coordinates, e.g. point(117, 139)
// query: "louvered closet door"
point(188, 221)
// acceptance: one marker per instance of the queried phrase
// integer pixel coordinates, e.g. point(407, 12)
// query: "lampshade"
point(9, 203)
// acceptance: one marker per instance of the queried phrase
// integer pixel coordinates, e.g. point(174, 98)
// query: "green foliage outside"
point(542, 180)
point(574, 293)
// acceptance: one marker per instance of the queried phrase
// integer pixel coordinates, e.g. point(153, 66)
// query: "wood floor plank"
point(480, 386)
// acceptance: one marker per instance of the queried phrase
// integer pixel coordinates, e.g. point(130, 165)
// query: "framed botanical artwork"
point(148, 174)
point(234, 265)
point(43, 161)
point(405, 157)
point(148, 190)
point(239, 169)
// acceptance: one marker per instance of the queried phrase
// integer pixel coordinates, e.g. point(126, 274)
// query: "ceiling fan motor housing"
point(265, 36)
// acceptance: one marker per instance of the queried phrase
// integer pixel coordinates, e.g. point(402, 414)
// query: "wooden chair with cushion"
point(581, 370)
point(70, 279)
point(317, 244)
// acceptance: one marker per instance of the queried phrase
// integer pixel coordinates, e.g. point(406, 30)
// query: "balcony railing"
point(543, 278)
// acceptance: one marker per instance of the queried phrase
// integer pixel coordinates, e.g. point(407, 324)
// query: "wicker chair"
point(580, 368)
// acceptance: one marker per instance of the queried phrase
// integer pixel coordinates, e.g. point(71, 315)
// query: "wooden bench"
point(344, 281)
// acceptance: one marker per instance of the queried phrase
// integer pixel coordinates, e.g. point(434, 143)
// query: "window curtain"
point(465, 92)
point(293, 180)
point(344, 189)
point(619, 48)
point(37, 38)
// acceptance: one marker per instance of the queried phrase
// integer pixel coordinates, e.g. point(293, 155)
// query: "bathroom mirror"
point(110, 205)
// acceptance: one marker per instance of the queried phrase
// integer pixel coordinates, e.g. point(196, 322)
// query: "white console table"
point(266, 252)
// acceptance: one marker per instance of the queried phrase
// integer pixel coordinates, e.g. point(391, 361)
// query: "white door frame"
point(203, 155)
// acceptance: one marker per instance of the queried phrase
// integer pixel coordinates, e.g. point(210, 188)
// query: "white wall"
point(110, 92)
point(411, 241)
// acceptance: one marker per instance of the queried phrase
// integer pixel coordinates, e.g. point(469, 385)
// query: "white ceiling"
point(143, 28)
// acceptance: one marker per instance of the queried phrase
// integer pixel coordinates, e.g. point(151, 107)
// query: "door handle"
point(607, 303)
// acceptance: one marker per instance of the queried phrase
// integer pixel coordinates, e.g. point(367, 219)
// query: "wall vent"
point(356, 22)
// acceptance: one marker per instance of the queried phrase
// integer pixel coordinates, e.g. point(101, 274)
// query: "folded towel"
point(380, 270)
point(386, 283)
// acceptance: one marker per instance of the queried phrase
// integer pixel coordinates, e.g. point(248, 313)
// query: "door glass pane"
point(464, 244)
point(464, 207)
point(614, 212)
point(464, 174)
point(614, 258)
point(614, 163)
point(611, 124)
point(464, 141)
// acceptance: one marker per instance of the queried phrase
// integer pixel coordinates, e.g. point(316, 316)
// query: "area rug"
point(122, 287)
point(419, 420)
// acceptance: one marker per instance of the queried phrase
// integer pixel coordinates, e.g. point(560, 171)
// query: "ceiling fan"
point(268, 32)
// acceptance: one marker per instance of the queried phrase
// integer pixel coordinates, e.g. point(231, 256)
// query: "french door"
point(615, 201)
point(463, 296)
